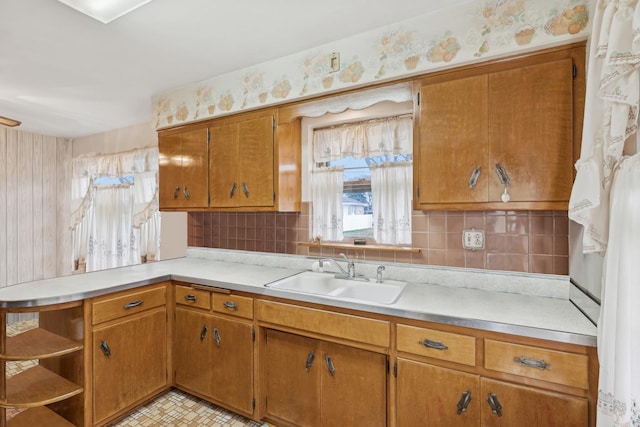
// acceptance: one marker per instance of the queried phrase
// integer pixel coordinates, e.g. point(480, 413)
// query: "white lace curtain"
point(606, 200)
point(115, 225)
point(380, 137)
point(326, 192)
point(391, 190)
point(391, 182)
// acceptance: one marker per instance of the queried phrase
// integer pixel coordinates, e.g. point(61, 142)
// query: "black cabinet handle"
point(495, 405)
point(231, 305)
point(464, 401)
point(436, 345)
point(187, 195)
point(330, 367)
point(309, 362)
point(133, 304)
point(190, 298)
point(176, 193)
point(232, 191)
point(245, 189)
point(105, 348)
point(203, 332)
point(216, 336)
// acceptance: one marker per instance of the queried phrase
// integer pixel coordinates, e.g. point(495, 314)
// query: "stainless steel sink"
point(325, 284)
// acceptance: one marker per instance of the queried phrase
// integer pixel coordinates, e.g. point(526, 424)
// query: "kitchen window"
point(362, 181)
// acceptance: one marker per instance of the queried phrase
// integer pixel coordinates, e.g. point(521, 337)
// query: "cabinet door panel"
point(256, 162)
point(428, 396)
point(531, 407)
point(136, 366)
point(232, 363)
point(170, 175)
point(453, 135)
point(223, 166)
point(293, 390)
point(192, 343)
point(356, 393)
point(195, 169)
point(532, 107)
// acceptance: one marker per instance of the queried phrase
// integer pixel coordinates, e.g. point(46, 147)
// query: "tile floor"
point(173, 408)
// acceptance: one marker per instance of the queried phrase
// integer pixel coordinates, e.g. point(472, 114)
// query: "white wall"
point(173, 237)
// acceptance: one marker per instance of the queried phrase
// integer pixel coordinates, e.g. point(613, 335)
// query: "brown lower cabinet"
point(429, 395)
point(310, 382)
point(214, 358)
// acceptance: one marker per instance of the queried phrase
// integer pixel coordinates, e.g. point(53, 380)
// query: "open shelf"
point(39, 416)
point(38, 343)
point(37, 386)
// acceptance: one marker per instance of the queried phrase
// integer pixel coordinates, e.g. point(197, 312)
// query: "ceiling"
point(65, 74)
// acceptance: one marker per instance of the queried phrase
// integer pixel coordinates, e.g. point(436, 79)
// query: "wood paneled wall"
point(35, 188)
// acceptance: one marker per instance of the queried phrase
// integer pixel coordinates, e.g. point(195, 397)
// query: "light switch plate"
point(334, 62)
point(473, 239)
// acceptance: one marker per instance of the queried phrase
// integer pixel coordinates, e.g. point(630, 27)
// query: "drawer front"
point(437, 344)
point(558, 367)
point(128, 303)
point(347, 326)
point(186, 295)
point(233, 304)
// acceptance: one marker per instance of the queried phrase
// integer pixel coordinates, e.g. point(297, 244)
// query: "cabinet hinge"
point(273, 122)
point(388, 366)
point(418, 191)
point(253, 403)
point(208, 135)
point(274, 196)
point(395, 369)
point(253, 335)
point(209, 199)
point(574, 72)
point(418, 98)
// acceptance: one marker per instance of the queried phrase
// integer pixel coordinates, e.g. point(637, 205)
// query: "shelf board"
point(38, 416)
point(38, 343)
point(37, 386)
point(367, 247)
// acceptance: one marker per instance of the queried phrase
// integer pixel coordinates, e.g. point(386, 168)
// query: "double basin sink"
point(330, 285)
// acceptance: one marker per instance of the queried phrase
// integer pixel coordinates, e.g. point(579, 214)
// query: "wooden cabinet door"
point(256, 151)
point(531, 131)
point(354, 390)
point(522, 405)
point(183, 169)
point(231, 363)
point(292, 367)
point(192, 351)
point(428, 395)
point(195, 169)
point(223, 165)
point(170, 174)
point(452, 141)
point(135, 365)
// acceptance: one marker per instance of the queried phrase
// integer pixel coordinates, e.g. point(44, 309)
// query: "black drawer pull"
point(190, 298)
point(436, 345)
point(231, 305)
point(133, 304)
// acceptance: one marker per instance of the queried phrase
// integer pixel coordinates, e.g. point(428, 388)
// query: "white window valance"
point(381, 137)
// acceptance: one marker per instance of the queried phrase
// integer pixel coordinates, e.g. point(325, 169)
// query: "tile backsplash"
point(524, 241)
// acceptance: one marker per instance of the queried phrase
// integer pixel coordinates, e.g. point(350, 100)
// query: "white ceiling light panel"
point(104, 11)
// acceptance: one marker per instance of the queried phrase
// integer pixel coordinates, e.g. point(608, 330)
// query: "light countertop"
point(536, 306)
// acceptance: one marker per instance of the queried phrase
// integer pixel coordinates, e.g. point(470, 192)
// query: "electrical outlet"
point(473, 239)
point(334, 62)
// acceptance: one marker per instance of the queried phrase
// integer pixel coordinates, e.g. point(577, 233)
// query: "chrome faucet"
point(349, 273)
point(379, 273)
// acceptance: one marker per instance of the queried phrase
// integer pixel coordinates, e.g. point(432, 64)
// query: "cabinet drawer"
point(347, 326)
point(233, 304)
point(558, 367)
point(437, 344)
point(121, 305)
point(198, 298)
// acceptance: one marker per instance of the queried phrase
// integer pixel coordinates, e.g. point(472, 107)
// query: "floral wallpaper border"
point(473, 31)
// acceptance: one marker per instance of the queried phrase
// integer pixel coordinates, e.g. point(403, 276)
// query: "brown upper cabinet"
point(183, 169)
point(244, 162)
point(500, 136)
point(241, 172)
